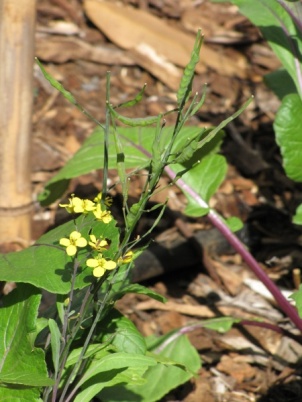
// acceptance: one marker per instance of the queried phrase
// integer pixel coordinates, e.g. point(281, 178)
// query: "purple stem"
point(283, 303)
point(214, 218)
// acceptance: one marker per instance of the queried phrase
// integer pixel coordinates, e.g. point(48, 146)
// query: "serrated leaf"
point(287, 127)
point(20, 364)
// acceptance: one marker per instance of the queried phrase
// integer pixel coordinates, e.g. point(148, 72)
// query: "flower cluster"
point(79, 206)
point(99, 264)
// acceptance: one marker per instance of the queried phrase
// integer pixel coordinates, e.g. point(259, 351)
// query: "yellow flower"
point(75, 240)
point(77, 205)
point(108, 200)
point(98, 244)
point(126, 258)
point(100, 265)
point(102, 215)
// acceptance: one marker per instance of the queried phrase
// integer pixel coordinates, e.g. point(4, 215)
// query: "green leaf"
point(20, 363)
point(130, 375)
point(287, 127)
point(234, 223)
point(140, 289)
point(160, 379)
point(49, 266)
point(55, 343)
point(279, 29)
point(122, 333)
point(90, 155)
point(280, 82)
point(221, 324)
point(204, 178)
point(297, 218)
point(297, 296)
point(113, 364)
point(20, 394)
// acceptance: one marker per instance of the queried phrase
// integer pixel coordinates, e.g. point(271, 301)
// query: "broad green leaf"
point(160, 379)
point(297, 296)
point(280, 82)
point(47, 262)
point(20, 394)
point(122, 333)
point(20, 363)
point(90, 155)
point(287, 127)
point(130, 375)
point(116, 362)
point(297, 218)
point(279, 29)
point(204, 179)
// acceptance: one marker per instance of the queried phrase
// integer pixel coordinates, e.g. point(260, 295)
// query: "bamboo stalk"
point(17, 23)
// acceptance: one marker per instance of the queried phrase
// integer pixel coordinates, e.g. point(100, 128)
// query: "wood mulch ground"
point(78, 43)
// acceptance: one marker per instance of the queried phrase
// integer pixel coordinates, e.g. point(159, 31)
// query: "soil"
point(247, 363)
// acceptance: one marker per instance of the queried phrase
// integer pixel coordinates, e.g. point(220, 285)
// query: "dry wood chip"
point(240, 371)
point(130, 28)
point(59, 49)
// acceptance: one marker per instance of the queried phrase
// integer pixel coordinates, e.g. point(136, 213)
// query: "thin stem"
point(64, 337)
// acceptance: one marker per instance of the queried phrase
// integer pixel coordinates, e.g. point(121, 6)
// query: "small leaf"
point(55, 343)
point(221, 324)
point(297, 297)
point(287, 127)
point(234, 223)
point(297, 218)
point(140, 289)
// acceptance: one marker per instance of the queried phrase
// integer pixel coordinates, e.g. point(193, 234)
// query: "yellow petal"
point(64, 242)
point(92, 263)
point(71, 250)
point(109, 265)
point(93, 238)
point(75, 235)
point(81, 242)
point(98, 272)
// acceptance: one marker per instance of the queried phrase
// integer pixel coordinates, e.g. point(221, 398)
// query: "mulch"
point(188, 262)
